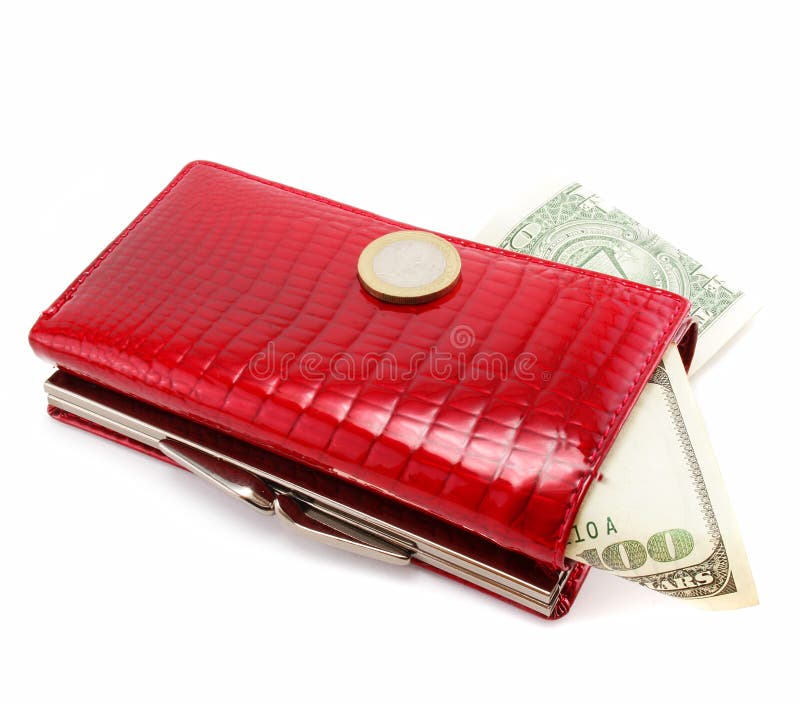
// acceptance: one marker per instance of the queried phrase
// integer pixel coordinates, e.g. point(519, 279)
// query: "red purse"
point(226, 330)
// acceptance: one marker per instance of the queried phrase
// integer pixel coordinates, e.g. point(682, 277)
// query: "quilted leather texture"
point(233, 301)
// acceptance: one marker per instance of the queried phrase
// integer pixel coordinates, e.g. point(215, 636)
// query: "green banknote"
point(574, 226)
point(660, 515)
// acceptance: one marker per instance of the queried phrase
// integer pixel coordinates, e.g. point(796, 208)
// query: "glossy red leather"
point(223, 269)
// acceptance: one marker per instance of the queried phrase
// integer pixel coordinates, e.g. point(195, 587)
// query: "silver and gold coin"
point(409, 266)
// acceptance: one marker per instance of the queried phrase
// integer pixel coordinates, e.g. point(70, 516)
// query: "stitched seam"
point(73, 288)
point(582, 273)
point(600, 446)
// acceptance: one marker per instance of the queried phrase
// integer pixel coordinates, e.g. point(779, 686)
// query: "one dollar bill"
point(572, 225)
point(659, 515)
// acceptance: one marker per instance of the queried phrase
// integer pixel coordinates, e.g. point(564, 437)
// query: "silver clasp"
point(301, 514)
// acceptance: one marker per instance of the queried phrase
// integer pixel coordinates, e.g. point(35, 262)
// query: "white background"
point(123, 580)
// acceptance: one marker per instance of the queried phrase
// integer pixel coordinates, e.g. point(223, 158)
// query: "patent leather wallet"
point(226, 331)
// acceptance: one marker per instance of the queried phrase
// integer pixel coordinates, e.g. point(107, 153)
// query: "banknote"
point(659, 515)
point(572, 225)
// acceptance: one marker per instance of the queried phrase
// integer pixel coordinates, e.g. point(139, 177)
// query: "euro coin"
point(409, 266)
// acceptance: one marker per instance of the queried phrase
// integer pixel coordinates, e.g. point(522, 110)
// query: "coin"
point(409, 266)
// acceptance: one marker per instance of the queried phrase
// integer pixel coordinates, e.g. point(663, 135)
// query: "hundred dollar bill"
point(574, 226)
point(660, 515)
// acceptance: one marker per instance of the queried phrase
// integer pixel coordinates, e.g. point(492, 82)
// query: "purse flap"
point(234, 301)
